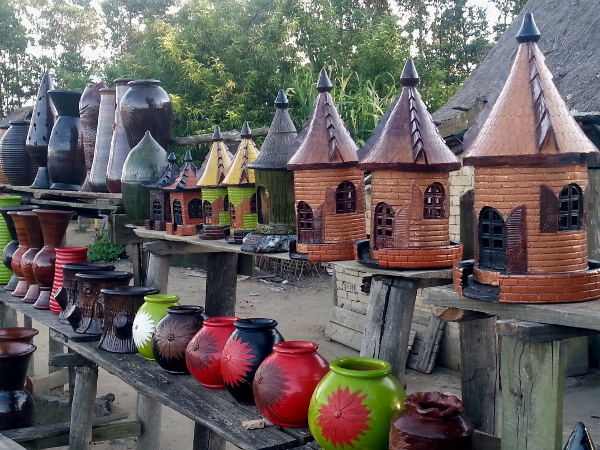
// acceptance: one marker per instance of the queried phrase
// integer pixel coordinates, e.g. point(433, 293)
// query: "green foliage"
point(102, 250)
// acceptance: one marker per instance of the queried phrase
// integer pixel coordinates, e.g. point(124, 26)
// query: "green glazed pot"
point(6, 200)
point(154, 308)
point(353, 405)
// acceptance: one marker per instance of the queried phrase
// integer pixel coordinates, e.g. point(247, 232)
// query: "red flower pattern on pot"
point(201, 350)
point(270, 385)
point(235, 362)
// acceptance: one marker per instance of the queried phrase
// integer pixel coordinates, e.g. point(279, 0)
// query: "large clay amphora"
point(17, 409)
point(7, 238)
point(89, 108)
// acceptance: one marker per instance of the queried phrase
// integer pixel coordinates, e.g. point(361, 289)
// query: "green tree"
point(508, 10)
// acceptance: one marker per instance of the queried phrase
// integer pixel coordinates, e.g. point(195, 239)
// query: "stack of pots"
point(16, 164)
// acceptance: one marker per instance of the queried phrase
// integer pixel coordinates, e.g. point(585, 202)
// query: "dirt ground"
point(302, 310)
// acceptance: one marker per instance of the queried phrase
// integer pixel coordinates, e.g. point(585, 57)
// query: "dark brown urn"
point(17, 257)
point(36, 242)
point(18, 334)
point(17, 166)
point(431, 421)
point(17, 409)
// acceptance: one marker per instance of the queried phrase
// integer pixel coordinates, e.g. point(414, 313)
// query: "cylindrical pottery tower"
point(89, 109)
point(144, 163)
point(66, 160)
point(285, 381)
point(203, 353)
point(431, 421)
point(16, 163)
point(42, 121)
point(354, 403)
point(104, 134)
point(64, 255)
point(120, 305)
point(7, 238)
point(17, 257)
point(147, 107)
point(119, 146)
point(173, 334)
point(150, 313)
point(18, 334)
point(36, 242)
point(54, 226)
point(246, 348)
point(17, 409)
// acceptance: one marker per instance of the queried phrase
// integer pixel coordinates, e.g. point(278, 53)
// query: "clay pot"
point(246, 348)
point(354, 403)
point(431, 421)
point(285, 381)
point(64, 255)
point(120, 305)
point(119, 146)
point(150, 313)
point(17, 409)
point(18, 334)
point(203, 353)
point(104, 134)
point(68, 295)
point(173, 334)
point(17, 166)
point(36, 242)
point(144, 163)
point(17, 257)
point(66, 160)
point(147, 107)
point(89, 109)
point(42, 121)
point(10, 248)
point(7, 238)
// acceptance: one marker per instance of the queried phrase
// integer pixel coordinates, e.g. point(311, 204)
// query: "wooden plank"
point(461, 122)
point(158, 272)
point(42, 193)
point(149, 411)
point(425, 360)
point(68, 360)
point(221, 282)
point(349, 319)
point(8, 316)
point(231, 136)
point(75, 205)
point(533, 378)
point(456, 315)
point(45, 383)
point(54, 348)
point(7, 444)
point(537, 332)
point(483, 441)
point(302, 434)
point(343, 335)
point(205, 439)
point(161, 247)
point(84, 397)
point(28, 323)
point(444, 274)
point(593, 213)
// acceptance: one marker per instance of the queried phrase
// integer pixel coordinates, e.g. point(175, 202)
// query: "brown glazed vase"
point(54, 226)
point(13, 245)
point(17, 257)
point(120, 305)
point(104, 134)
point(87, 316)
point(17, 166)
point(89, 109)
point(36, 242)
point(17, 409)
point(119, 146)
point(431, 421)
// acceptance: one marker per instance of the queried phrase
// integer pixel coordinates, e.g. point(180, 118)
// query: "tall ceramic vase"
point(54, 226)
point(104, 134)
point(64, 255)
point(42, 121)
point(17, 409)
point(150, 313)
point(66, 160)
point(89, 108)
point(16, 163)
point(119, 146)
point(10, 248)
point(36, 242)
point(17, 258)
point(6, 236)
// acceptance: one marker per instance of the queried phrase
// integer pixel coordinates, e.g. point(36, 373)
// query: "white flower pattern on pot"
point(143, 328)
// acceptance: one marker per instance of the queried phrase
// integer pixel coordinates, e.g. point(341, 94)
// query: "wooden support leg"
point(205, 439)
point(389, 318)
point(221, 283)
point(148, 414)
point(136, 263)
point(28, 323)
point(8, 316)
point(82, 412)
point(158, 272)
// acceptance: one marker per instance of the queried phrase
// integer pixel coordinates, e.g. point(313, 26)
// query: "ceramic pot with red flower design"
point(431, 421)
point(354, 403)
point(244, 351)
point(285, 381)
point(173, 334)
point(64, 255)
point(203, 353)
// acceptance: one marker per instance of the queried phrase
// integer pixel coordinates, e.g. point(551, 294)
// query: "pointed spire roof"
point(530, 122)
point(168, 175)
point(239, 173)
point(187, 177)
point(406, 137)
point(324, 141)
point(216, 162)
point(282, 132)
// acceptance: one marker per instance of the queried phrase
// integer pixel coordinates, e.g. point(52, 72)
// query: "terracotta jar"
point(67, 296)
point(89, 109)
point(54, 226)
point(18, 334)
point(285, 381)
point(431, 421)
point(36, 242)
point(42, 121)
point(66, 160)
point(7, 237)
point(120, 305)
point(147, 107)
point(64, 255)
point(17, 166)
point(354, 403)
point(173, 334)
point(203, 353)
point(104, 134)
point(246, 348)
point(119, 146)
point(87, 316)
point(10, 248)
point(150, 313)
point(17, 257)
point(17, 409)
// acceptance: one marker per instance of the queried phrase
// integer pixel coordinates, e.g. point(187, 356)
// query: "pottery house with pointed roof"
point(185, 199)
point(328, 184)
point(410, 165)
point(274, 183)
point(531, 188)
point(215, 202)
point(160, 206)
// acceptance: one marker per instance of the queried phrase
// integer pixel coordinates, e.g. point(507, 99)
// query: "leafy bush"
point(102, 250)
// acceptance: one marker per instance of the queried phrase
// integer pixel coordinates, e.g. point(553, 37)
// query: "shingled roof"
point(238, 173)
point(216, 163)
point(168, 175)
point(187, 177)
point(324, 141)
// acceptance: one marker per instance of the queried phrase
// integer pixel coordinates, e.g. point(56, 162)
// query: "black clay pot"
point(17, 166)
point(246, 348)
point(66, 160)
point(16, 403)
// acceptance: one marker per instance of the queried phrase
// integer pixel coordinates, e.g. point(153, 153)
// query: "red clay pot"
point(13, 245)
point(64, 255)
point(17, 257)
point(285, 381)
point(36, 242)
point(203, 353)
point(18, 334)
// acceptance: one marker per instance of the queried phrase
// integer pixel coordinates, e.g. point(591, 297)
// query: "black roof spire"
point(246, 131)
point(529, 31)
point(409, 76)
point(281, 101)
point(324, 84)
point(217, 136)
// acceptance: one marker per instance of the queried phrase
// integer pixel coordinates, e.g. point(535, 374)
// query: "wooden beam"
point(456, 314)
point(45, 383)
point(68, 360)
point(7, 444)
point(221, 284)
point(233, 136)
point(174, 248)
point(8, 316)
point(205, 439)
point(84, 397)
point(120, 234)
point(149, 415)
point(538, 332)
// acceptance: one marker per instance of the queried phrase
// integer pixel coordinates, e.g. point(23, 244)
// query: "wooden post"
point(205, 439)
point(158, 272)
point(28, 323)
point(8, 316)
point(389, 318)
point(82, 413)
point(148, 414)
point(136, 263)
point(221, 282)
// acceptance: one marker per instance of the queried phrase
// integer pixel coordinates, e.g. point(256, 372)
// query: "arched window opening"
point(157, 210)
point(263, 205)
point(570, 208)
point(177, 213)
point(207, 206)
point(195, 209)
point(231, 213)
point(492, 240)
point(384, 226)
point(253, 204)
point(345, 198)
point(434, 202)
point(226, 203)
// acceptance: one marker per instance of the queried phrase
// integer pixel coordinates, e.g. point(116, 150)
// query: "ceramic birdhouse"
point(328, 184)
point(531, 181)
point(410, 164)
point(160, 209)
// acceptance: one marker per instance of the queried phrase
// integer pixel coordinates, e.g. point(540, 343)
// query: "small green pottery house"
point(160, 210)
